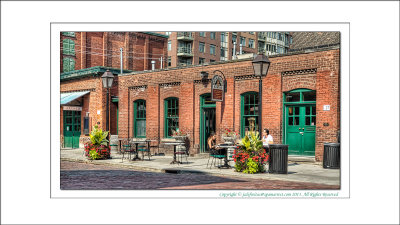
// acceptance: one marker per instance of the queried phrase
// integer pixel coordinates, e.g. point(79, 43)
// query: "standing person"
point(267, 139)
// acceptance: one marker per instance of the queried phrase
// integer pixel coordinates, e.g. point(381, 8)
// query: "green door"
point(207, 120)
point(300, 129)
point(72, 128)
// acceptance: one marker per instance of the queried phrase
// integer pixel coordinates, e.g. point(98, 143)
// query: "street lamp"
point(260, 66)
point(107, 79)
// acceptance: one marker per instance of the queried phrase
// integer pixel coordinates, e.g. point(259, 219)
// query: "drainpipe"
point(153, 65)
point(234, 50)
point(241, 49)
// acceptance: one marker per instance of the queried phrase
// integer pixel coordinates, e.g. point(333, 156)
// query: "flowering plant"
point(177, 132)
point(229, 133)
point(97, 147)
point(94, 152)
point(250, 155)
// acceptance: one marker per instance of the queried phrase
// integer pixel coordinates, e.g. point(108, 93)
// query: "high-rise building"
point(191, 48)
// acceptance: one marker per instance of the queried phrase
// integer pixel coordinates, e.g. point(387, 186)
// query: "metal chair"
point(144, 149)
point(214, 155)
point(126, 147)
point(182, 151)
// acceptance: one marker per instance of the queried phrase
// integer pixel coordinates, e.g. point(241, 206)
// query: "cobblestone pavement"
point(83, 176)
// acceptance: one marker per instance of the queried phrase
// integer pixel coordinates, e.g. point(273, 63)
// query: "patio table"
point(137, 142)
point(176, 143)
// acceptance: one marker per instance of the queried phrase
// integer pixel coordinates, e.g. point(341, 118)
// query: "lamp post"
point(107, 79)
point(260, 66)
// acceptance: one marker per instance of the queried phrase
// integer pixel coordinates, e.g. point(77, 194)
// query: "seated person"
point(267, 139)
point(212, 146)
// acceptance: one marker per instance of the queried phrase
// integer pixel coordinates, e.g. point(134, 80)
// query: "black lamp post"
point(107, 79)
point(260, 65)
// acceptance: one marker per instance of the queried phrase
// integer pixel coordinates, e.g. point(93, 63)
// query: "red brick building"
point(301, 101)
point(85, 56)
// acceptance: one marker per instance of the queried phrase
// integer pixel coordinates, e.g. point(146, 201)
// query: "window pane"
point(291, 121)
point(290, 109)
point(308, 121)
point(293, 97)
point(296, 110)
point(313, 110)
point(296, 120)
point(313, 121)
point(68, 120)
point(309, 96)
point(308, 110)
point(141, 128)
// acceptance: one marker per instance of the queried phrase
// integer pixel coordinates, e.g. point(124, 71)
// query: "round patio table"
point(137, 144)
point(176, 143)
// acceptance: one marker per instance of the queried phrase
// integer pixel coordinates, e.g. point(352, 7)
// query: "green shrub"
point(252, 167)
point(98, 137)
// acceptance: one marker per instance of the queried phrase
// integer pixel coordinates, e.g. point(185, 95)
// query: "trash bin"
point(278, 158)
point(331, 156)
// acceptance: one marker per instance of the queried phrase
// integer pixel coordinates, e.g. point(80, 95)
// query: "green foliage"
point(94, 155)
point(251, 143)
point(98, 137)
point(238, 167)
point(252, 167)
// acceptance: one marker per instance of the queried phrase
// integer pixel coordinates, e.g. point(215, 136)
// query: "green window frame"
point(68, 64)
point(300, 96)
point(139, 119)
point(171, 116)
point(69, 34)
point(68, 47)
point(248, 112)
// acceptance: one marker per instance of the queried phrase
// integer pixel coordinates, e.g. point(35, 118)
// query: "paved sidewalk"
point(297, 171)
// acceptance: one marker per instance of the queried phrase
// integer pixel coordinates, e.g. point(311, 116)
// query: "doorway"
point(300, 121)
point(207, 120)
point(72, 128)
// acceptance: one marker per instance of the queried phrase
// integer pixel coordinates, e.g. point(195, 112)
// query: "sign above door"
point(217, 89)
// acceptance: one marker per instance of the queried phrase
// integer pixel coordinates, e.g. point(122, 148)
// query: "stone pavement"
point(85, 176)
point(297, 171)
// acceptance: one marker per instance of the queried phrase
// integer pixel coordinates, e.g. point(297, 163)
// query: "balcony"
point(185, 51)
point(262, 36)
point(184, 36)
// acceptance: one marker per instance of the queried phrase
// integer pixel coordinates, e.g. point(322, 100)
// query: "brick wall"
point(185, 84)
point(103, 49)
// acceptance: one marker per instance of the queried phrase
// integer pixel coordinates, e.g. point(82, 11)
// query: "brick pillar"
point(146, 53)
point(126, 50)
point(83, 50)
point(153, 112)
point(105, 46)
point(186, 118)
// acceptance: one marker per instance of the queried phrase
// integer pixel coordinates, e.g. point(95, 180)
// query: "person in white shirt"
point(267, 139)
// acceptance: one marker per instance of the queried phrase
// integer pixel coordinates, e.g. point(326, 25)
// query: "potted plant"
point(97, 148)
point(179, 135)
point(250, 156)
point(229, 136)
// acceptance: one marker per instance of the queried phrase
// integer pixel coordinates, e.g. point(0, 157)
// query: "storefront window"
point(139, 119)
point(171, 109)
point(249, 113)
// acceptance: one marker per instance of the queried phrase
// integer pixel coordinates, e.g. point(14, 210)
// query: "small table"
point(227, 147)
point(137, 144)
point(174, 144)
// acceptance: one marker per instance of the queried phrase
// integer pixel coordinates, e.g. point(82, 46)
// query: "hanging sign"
point(217, 89)
point(72, 108)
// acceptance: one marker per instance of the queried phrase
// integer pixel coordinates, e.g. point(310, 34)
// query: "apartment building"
point(191, 48)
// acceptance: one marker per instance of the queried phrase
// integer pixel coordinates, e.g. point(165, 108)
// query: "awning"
point(69, 97)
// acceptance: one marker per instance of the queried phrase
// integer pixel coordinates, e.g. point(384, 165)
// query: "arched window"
point(139, 116)
point(171, 116)
point(249, 113)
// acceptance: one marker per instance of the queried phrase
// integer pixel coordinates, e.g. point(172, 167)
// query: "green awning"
point(69, 97)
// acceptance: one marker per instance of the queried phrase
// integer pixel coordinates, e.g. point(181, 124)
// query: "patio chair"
point(215, 154)
point(126, 148)
point(144, 149)
point(182, 151)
